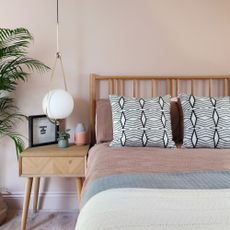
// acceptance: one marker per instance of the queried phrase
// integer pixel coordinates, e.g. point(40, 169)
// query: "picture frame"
point(42, 131)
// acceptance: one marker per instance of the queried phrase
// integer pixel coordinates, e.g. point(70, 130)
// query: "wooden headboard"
point(149, 86)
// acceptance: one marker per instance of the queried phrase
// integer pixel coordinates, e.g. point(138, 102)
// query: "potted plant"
point(63, 138)
point(3, 210)
point(15, 66)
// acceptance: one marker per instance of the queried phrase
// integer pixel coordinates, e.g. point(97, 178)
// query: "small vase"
point(63, 143)
point(80, 127)
point(80, 135)
point(80, 138)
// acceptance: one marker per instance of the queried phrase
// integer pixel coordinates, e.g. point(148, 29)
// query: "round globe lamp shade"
point(58, 104)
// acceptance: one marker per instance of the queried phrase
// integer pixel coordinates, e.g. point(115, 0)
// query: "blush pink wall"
point(173, 37)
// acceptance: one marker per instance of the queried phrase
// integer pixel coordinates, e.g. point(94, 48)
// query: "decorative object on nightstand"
point(80, 134)
point(58, 103)
point(42, 131)
point(63, 138)
point(50, 161)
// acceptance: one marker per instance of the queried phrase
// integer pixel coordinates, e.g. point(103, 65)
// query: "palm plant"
point(9, 116)
point(15, 65)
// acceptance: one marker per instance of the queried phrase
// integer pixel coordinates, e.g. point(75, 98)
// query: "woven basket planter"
point(3, 210)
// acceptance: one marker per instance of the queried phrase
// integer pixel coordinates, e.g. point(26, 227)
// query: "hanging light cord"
point(58, 56)
point(58, 27)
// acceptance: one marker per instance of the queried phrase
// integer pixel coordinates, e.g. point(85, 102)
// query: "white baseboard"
point(47, 201)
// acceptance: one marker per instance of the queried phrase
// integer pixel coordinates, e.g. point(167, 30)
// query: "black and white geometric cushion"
point(141, 121)
point(206, 121)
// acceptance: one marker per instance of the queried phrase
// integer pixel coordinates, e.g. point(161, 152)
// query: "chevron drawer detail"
point(53, 161)
point(51, 166)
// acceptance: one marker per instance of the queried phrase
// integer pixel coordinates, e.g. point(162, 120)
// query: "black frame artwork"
point(42, 131)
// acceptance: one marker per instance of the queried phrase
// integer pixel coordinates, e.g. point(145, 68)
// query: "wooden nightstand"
point(50, 161)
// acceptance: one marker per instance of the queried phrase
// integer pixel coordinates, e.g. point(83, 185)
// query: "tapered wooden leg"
point(26, 202)
point(36, 193)
point(79, 188)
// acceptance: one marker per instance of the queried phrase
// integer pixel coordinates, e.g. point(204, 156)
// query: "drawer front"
point(53, 166)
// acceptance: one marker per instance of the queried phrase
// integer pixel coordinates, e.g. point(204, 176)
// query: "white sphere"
point(57, 104)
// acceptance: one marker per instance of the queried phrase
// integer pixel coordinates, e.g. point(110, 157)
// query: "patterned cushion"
point(104, 130)
point(141, 121)
point(206, 121)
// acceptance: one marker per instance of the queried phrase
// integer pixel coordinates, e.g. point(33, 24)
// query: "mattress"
point(155, 171)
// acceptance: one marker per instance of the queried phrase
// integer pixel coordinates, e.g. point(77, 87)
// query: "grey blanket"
point(188, 180)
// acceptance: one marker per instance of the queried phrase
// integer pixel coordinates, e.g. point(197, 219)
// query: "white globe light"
point(57, 104)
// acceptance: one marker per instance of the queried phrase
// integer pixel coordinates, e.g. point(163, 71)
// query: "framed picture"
point(42, 131)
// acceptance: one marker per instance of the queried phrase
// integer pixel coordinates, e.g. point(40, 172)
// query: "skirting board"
point(47, 201)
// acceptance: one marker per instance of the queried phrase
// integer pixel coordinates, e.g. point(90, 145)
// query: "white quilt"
point(157, 209)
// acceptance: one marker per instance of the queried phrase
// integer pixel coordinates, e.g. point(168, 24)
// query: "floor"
point(42, 221)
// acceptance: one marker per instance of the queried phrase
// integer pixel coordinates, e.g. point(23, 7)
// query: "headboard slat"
point(114, 86)
point(210, 87)
point(172, 87)
point(109, 86)
point(167, 86)
point(134, 88)
point(177, 86)
point(119, 87)
point(226, 89)
point(153, 88)
point(192, 86)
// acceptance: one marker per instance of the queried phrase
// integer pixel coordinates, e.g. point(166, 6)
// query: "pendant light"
point(58, 103)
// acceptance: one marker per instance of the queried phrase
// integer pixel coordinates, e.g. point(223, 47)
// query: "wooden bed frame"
point(172, 85)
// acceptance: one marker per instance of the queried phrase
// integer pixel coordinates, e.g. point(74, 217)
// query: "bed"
point(161, 188)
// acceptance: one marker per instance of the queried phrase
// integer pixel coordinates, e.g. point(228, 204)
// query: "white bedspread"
point(157, 209)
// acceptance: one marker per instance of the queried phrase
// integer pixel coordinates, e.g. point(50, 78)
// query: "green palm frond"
point(18, 141)
point(13, 70)
point(14, 41)
point(9, 117)
point(9, 114)
point(20, 62)
point(14, 63)
point(15, 66)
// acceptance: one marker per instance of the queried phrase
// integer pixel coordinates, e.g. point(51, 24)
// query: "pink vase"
point(80, 138)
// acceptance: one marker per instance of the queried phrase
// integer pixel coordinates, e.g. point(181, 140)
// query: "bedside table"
point(50, 161)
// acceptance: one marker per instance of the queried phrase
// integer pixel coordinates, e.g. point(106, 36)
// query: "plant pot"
point(63, 143)
point(3, 210)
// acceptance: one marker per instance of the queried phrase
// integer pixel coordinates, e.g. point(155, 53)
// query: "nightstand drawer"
point(53, 166)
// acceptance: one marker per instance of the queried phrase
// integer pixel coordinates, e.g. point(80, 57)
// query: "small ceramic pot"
point(80, 134)
point(63, 143)
point(80, 138)
point(80, 127)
